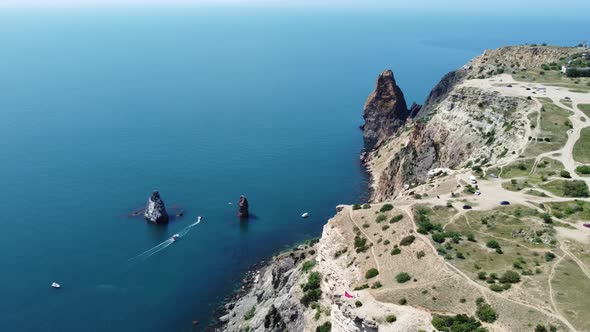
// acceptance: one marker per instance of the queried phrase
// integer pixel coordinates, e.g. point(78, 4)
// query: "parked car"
point(467, 207)
point(504, 203)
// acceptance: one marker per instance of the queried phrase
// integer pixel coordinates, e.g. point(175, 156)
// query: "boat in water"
point(305, 215)
point(175, 237)
point(55, 285)
point(199, 218)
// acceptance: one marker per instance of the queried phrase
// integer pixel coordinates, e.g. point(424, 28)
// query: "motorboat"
point(175, 237)
point(55, 285)
point(199, 218)
point(305, 215)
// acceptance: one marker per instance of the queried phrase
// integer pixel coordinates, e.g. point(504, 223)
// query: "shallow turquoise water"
point(99, 108)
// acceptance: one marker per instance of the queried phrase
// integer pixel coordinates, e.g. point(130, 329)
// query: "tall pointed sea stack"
point(155, 210)
point(243, 207)
point(385, 111)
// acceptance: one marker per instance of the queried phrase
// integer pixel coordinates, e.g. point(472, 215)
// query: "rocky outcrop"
point(155, 210)
point(385, 111)
point(243, 207)
point(415, 109)
point(271, 297)
point(469, 125)
point(441, 90)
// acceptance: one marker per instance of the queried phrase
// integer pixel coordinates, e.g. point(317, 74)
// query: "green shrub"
point(496, 287)
point(358, 304)
point(549, 256)
point(402, 277)
point(493, 244)
point(396, 218)
point(461, 322)
point(565, 174)
point(371, 273)
point(420, 254)
point(584, 169)
point(403, 301)
point(390, 318)
point(481, 275)
point(311, 290)
point(540, 328)
point(380, 218)
point(361, 287)
point(356, 207)
point(438, 237)
point(376, 285)
point(366, 206)
point(386, 207)
point(510, 277)
point(360, 244)
point(406, 241)
point(575, 188)
point(326, 327)
point(396, 251)
point(486, 313)
point(250, 313)
point(308, 265)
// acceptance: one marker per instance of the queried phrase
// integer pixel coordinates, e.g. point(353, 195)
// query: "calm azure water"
point(100, 107)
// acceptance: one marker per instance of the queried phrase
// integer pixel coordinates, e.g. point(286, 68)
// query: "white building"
point(564, 69)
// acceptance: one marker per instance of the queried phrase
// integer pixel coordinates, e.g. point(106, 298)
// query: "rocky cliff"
point(460, 123)
point(385, 111)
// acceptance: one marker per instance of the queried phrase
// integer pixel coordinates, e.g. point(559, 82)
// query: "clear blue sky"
point(511, 7)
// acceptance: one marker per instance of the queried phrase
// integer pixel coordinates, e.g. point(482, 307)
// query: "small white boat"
point(305, 215)
point(199, 218)
point(175, 237)
point(55, 285)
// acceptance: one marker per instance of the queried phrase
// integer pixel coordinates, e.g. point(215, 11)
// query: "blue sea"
point(99, 107)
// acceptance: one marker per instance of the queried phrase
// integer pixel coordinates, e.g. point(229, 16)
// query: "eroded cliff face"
point(385, 111)
point(460, 124)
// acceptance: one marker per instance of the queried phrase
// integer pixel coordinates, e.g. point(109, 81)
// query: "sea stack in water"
point(155, 211)
point(243, 207)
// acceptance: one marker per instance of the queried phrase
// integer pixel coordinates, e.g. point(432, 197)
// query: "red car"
point(587, 225)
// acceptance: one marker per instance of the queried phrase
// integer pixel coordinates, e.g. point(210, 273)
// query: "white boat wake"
point(152, 251)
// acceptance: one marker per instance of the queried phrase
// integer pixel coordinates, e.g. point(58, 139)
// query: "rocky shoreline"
point(264, 294)
point(248, 281)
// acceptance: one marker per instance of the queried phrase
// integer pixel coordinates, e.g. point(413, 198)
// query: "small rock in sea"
point(224, 318)
point(243, 207)
point(155, 210)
